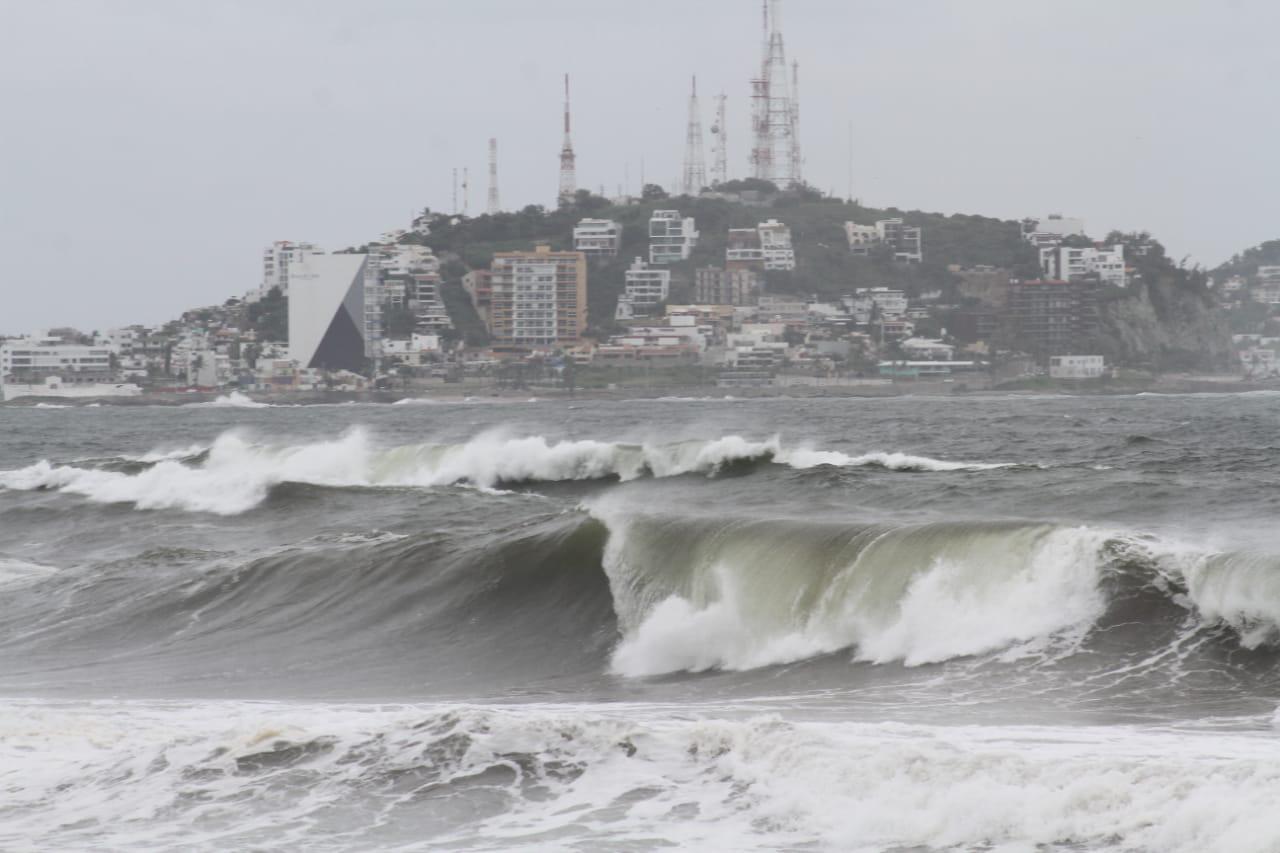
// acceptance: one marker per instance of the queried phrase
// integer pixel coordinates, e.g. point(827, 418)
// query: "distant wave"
point(237, 474)
point(234, 400)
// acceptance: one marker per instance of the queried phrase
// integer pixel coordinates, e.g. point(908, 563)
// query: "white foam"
point(113, 775)
point(908, 596)
point(239, 473)
point(234, 400)
point(802, 458)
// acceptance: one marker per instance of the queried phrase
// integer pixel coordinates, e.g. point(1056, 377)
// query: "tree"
point(653, 192)
point(269, 316)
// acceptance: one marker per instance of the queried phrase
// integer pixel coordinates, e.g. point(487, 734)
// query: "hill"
point(1167, 318)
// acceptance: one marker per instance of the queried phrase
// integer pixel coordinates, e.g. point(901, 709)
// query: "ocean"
point(906, 624)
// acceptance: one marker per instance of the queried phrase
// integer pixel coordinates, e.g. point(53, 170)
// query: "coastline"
point(1166, 385)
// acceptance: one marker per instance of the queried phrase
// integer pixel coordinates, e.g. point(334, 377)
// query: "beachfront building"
point(538, 298)
point(327, 311)
point(276, 259)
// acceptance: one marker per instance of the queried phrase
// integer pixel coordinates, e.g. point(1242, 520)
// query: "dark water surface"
point(865, 624)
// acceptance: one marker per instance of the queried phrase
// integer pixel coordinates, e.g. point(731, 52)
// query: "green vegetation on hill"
point(824, 266)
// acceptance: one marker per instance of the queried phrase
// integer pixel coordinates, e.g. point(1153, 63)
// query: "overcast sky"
point(149, 149)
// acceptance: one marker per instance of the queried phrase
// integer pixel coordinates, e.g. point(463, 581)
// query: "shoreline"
point(1225, 385)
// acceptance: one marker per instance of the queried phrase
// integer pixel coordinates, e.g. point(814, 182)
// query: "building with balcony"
point(671, 238)
point(1064, 262)
point(1048, 317)
point(276, 259)
point(597, 238)
point(775, 245)
point(645, 288)
point(538, 298)
point(906, 241)
point(715, 286)
point(742, 250)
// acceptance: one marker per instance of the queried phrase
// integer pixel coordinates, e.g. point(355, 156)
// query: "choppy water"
point(905, 624)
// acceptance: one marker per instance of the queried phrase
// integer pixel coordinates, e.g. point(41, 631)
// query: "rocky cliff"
point(1168, 322)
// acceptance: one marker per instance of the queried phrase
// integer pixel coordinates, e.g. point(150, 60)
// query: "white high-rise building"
point(327, 311)
point(1065, 263)
point(275, 263)
point(645, 288)
point(671, 237)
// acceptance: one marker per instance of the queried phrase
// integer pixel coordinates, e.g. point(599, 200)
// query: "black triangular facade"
point(342, 347)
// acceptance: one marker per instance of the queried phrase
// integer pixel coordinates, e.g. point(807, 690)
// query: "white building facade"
point(1077, 366)
point(671, 238)
point(327, 312)
point(1064, 263)
point(597, 238)
point(775, 245)
point(275, 263)
point(645, 288)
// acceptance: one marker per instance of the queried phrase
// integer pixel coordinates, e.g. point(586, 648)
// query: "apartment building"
point(539, 298)
point(644, 289)
point(743, 251)
point(1048, 317)
point(906, 241)
point(275, 264)
point(775, 245)
point(33, 359)
point(1063, 262)
point(715, 286)
point(862, 238)
point(597, 238)
point(671, 237)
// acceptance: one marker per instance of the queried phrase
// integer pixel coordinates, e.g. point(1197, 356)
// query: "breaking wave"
point(277, 776)
point(237, 474)
point(644, 595)
point(234, 400)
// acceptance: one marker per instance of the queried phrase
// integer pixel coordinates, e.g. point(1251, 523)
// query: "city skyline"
point(158, 149)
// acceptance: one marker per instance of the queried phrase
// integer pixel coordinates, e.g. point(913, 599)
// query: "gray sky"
point(150, 148)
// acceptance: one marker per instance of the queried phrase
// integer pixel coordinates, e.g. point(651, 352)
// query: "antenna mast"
point(455, 190)
point(695, 169)
point(494, 205)
point(773, 157)
point(466, 191)
point(797, 161)
point(720, 148)
point(568, 171)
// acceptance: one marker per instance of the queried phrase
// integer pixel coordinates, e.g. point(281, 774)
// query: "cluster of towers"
point(775, 124)
point(775, 120)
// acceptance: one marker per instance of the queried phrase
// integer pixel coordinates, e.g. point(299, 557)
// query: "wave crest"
point(237, 474)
